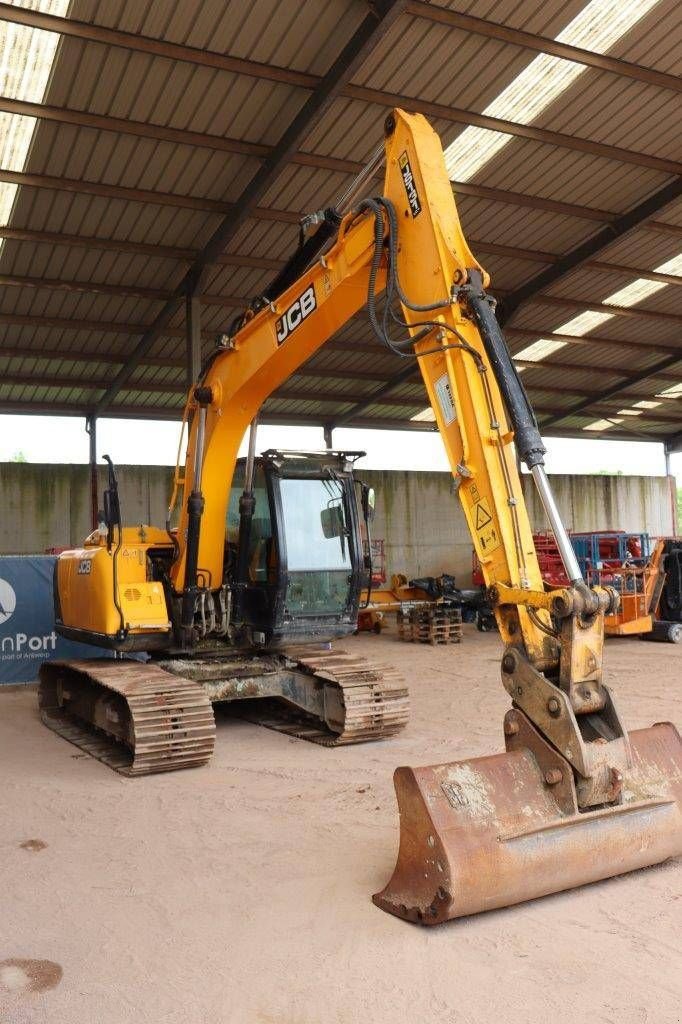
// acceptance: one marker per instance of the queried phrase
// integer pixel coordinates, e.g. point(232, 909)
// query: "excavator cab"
point(304, 559)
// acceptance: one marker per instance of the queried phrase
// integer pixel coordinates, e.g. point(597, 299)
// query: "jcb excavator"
point(575, 797)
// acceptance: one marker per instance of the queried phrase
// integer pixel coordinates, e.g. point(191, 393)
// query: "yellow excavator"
point(266, 562)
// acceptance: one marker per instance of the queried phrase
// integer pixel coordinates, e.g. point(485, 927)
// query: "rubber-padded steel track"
point(170, 726)
point(374, 698)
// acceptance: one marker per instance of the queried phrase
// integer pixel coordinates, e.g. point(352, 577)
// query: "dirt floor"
point(240, 892)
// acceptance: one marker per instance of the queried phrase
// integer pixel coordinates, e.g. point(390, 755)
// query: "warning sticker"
point(444, 396)
point(485, 526)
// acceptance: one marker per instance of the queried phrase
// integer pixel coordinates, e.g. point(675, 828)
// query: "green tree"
point(18, 457)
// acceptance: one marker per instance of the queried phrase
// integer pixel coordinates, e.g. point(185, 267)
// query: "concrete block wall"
point(418, 513)
point(45, 506)
point(424, 532)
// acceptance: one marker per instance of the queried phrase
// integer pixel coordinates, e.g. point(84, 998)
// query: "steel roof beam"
point(600, 370)
point(139, 195)
point(458, 115)
point(454, 115)
point(618, 389)
point(581, 254)
point(543, 44)
point(169, 252)
point(177, 387)
point(164, 133)
point(136, 195)
point(155, 47)
point(628, 312)
point(106, 358)
point(101, 326)
point(123, 290)
point(314, 372)
point(207, 58)
point(590, 340)
point(265, 263)
point(239, 302)
point(382, 15)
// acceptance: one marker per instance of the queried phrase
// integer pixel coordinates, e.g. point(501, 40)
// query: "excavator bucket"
point(493, 831)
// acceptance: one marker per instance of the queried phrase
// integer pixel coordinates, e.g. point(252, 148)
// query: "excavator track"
point(374, 698)
point(140, 718)
point(133, 716)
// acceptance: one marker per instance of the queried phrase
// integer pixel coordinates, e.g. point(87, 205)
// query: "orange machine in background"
point(649, 594)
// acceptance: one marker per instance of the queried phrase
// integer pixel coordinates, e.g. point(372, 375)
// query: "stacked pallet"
point(430, 624)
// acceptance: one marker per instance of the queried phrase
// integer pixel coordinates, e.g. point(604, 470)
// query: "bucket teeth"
point(488, 833)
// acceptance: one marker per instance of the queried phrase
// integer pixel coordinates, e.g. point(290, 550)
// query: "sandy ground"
point(241, 892)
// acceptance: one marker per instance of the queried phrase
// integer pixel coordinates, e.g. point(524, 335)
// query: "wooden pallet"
point(434, 624)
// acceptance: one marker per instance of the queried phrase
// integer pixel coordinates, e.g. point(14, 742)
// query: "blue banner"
point(27, 630)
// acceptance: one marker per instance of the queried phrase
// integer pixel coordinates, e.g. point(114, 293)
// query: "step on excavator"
point(574, 797)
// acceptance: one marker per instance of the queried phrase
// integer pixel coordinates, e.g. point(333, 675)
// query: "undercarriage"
point(143, 718)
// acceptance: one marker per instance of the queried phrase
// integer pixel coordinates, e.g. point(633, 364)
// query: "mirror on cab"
point(332, 521)
point(368, 502)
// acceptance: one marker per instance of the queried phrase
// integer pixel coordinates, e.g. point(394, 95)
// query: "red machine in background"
point(648, 579)
point(549, 559)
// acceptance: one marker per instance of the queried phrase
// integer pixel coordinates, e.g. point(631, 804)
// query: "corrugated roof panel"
point(417, 57)
point(303, 37)
point(630, 114)
point(569, 176)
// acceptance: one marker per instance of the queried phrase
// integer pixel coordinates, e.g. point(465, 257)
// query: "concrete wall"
point(418, 514)
point(49, 506)
point(424, 532)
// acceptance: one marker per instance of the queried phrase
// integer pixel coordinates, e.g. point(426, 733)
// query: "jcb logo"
point(294, 316)
point(85, 567)
point(410, 187)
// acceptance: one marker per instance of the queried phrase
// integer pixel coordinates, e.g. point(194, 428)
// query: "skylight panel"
point(539, 350)
point(599, 25)
point(602, 424)
point(584, 322)
point(673, 266)
point(673, 392)
point(578, 326)
point(635, 292)
point(630, 412)
point(425, 416)
point(26, 56)
point(646, 404)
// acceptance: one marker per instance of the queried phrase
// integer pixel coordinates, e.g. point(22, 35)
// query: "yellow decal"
point(487, 530)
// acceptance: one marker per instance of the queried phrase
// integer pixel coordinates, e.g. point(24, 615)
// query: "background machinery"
point(575, 797)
